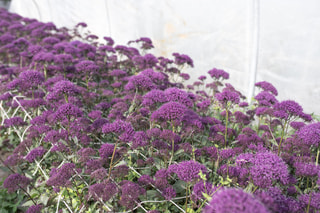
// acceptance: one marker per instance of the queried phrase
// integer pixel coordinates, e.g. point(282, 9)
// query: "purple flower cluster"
point(130, 193)
point(181, 59)
point(15, 181)
point(234, 200)
point(310, 134)
point(266, 86)
point(14, 121)
point(31, 78)
point(104, 191)
point(287, 109)
point(106, 150)
point(188, 171)
point(33, 154)
point(178, 95)
point(266, 99)
point(63, 87)
point(227, 96)
point(35, 209)
point(171, 111)
point(60, 177)
point(67, 111)
point(264, 168)
point(218, 73)
point(119, 129)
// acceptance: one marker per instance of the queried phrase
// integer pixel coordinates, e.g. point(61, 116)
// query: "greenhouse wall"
point(274, 41)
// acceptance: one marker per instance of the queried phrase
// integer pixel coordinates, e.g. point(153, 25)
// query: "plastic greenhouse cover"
point(253, 40)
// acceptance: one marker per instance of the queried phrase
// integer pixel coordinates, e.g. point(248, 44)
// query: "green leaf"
point(190, 210)
point(44, 199)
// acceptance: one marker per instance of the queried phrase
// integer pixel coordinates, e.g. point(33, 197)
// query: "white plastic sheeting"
point(253, 40)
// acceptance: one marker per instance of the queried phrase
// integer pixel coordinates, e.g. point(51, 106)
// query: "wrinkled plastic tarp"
point(274, 41)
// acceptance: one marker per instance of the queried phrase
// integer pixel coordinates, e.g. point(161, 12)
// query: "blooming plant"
point(99, 127)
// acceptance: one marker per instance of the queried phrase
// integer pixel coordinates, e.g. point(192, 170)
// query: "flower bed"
point(98, 127)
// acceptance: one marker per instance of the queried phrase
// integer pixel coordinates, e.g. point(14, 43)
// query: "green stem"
point(187, 186)
point(317, 158)
point(255, 188)
point(282, 135)
point(66, 97)
point(309, 202)
point(113, 154)
point(172, 144)
point(226, 130)
point(45, 73)
point(87, 81)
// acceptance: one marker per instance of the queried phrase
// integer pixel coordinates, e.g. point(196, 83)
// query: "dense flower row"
point(113, 128)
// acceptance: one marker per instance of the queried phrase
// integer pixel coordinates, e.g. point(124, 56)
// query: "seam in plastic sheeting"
point(108, 17)
point(38, 9)
point(255, 48)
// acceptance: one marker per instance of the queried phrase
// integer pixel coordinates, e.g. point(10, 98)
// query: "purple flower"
point(178, 95)
point(63, 87)
point(227, 96)
point(243, 104)
point(120, 171)
point(204, 105)
point(154, 97)
point(61, 176)
point(103, 191)
point(265, 168)
point(54, 136)
point(202, 77)
point(217, 74)
point(264, 98)
point(146, 43)
point(171, 111)
point(66, 111)
point(34, 209)
point(33, 154)
point(12, 160)
point(156, 77)
point(130, 192)
point(226, 153)
point(140, 139)
point(109, 41)
point(99, 174)
point(306, 169)
point(169, 193)
point(187, 171)
point(144, 62)
point(310, 134)
point(145, 180)
point(288, 109)
point(86, 66)
point(241, 118)
point(62, 59)
point(118, 127)
point(185, 76)
point(266, 86)
point(181, 59)
point(315, 200)
point(118, 73)
point(106, 150)
point(14, 121)
point(92, 165)
point(14, 181)
point(200, 188)
point(234, 200)
point(141, 82)
point(31, 78)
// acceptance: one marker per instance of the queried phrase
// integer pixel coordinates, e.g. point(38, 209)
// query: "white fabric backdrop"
point(253, 40)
